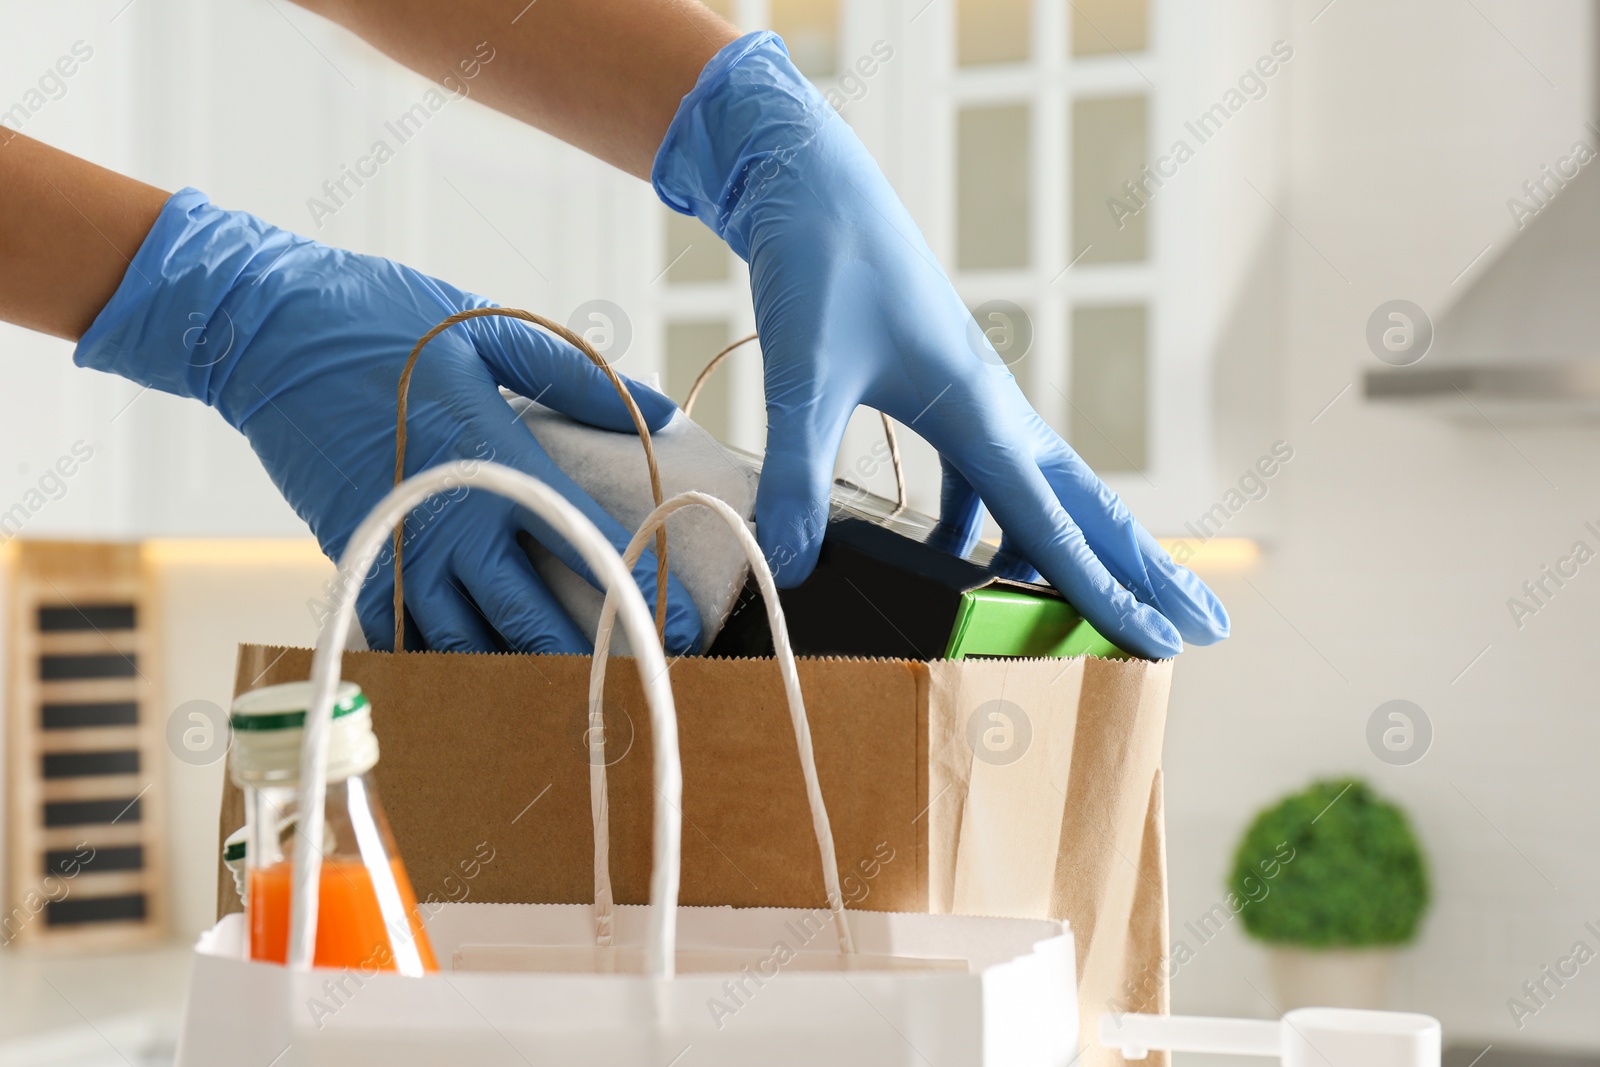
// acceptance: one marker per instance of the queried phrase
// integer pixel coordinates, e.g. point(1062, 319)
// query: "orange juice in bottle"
point(367, 916)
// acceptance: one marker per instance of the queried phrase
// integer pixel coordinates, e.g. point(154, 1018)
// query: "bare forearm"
point(68, 230)
point(604, 75)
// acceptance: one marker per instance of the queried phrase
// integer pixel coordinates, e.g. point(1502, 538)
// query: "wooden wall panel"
point(86, 827)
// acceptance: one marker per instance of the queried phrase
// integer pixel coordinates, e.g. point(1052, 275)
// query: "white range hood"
point(1526, 334)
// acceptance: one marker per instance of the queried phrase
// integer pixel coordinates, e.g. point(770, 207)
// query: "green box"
point(1001, 622)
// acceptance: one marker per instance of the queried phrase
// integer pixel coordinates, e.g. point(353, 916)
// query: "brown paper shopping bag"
point(1025, 788)
point(1066, 825)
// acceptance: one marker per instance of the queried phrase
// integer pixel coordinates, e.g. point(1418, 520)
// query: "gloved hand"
point(300, 347)
point(853, 308)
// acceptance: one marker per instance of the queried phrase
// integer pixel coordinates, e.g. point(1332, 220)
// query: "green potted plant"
point(1348, 884)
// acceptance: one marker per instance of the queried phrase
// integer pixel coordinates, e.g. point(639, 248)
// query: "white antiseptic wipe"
point(610, 466)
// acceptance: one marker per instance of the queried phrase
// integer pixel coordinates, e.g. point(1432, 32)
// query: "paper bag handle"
point(783, 652)
point(616, 382)
point(889, 435)
point(357, 563)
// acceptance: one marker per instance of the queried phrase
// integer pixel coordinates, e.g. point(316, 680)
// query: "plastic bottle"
point(367, 912)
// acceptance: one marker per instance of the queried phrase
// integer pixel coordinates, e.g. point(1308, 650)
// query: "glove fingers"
point(960, 512)
point(1182, 596)
point(793, 499)
point(1025, 503)
point(375, 612)
point(1134, 557)
point(522, 611)
point(449, 621)
point(543, 367)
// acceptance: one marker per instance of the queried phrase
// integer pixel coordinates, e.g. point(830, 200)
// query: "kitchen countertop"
point(66, 1010)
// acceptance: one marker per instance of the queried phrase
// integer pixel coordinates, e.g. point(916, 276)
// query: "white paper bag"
point(642, 986)
point(959, 991)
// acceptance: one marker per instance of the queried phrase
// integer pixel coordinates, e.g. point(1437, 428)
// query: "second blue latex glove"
point(300, 346)
point(853, 308)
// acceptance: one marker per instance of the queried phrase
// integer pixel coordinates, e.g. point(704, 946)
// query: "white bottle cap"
point(269, 724)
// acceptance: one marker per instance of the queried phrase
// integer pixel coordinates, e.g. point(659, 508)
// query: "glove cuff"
point(165, 327)
point(748, 114)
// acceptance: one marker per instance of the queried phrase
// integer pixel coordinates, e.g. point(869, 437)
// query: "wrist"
point(168, 325)
point(749, 114)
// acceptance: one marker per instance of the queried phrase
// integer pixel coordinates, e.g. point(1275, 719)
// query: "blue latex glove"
point(300, 347)
point(853, 308)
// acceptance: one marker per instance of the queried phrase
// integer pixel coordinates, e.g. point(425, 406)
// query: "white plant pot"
point(1331, 978)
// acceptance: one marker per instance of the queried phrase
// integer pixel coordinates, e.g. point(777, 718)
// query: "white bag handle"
point(603, 902)
point(358, 559)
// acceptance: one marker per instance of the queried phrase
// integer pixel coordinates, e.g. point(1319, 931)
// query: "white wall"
point(1398, 536)
point(213, 596)
point(161, 464)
